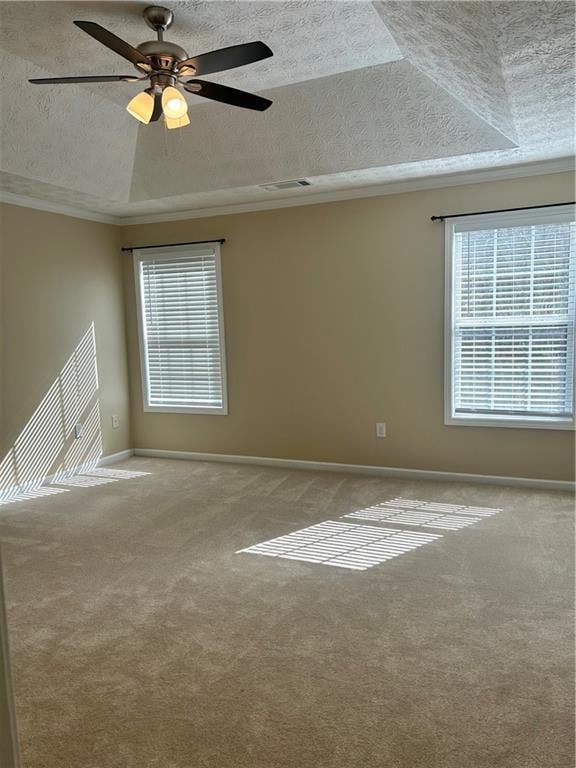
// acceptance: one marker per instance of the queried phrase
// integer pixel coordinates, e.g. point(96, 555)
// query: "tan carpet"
point(142, 640)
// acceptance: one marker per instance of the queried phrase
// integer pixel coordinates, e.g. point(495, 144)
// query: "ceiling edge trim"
point(375, 190)
point(25, 201)
point(391, 188)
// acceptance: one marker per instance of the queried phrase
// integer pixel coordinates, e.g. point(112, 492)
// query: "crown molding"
point(560, 165)
point(24, 201)
point(375, 190)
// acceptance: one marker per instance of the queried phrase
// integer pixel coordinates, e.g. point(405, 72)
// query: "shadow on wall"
point(48, 447)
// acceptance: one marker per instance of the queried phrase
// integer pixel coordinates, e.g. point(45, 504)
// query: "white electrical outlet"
point(78, 429)
point(115, 421)
point(380, 429)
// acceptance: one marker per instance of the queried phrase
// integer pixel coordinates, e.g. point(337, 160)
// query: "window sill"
point(510, 422)
point(223, 411)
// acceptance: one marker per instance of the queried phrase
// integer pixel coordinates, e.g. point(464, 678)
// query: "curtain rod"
point(499, 210)
point(173, 245)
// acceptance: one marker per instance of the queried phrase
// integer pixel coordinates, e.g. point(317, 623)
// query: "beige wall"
point(334, 320)
point(58, 275)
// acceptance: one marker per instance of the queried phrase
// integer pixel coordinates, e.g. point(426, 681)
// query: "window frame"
point(494, 221)
point(140, 255)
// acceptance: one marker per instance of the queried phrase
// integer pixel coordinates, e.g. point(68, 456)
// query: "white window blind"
point(181, 329)
point(512, 321)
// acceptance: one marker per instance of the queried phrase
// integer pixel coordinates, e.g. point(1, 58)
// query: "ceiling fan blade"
point(89, 79)
point(157, 112)
point(116, 44)
point(227, 58)
point(227, 95)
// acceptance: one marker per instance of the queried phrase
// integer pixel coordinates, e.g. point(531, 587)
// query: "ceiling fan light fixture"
point(174, 104)
point(141, 107)
point(177, 122)
point(164, 65)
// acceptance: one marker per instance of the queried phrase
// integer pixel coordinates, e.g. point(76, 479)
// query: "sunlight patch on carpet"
point(99, 476)
point(434, 506)
point(343, 545)
point(85, 481)
point(424, 514)
point(118, 474)
point(36, 493)
point(421, 519)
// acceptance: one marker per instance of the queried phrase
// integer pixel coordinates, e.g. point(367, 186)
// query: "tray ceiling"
point(363, 93)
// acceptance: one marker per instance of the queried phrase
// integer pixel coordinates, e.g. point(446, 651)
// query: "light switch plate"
point(115, 421)
point(380, 429)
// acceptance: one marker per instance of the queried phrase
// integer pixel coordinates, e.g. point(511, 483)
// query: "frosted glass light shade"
point(141, 107)
point(177, 122)
point(173, 103)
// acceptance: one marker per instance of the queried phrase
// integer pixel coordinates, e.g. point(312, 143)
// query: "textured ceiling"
point(310, 39)
point(363, 93)
point(64, 136)
point(360, 119)
point(459, 51)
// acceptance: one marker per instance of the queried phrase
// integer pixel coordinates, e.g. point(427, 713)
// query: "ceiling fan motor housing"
point(162, 54)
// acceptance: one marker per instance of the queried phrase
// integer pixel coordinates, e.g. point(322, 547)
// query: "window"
point(181, 329)
point(510, 314)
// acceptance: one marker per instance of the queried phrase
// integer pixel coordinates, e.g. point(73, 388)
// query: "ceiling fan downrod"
point(158, 18)
point(163, 54)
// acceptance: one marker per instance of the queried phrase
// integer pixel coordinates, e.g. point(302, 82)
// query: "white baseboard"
point(361, 469)
point(112, 458)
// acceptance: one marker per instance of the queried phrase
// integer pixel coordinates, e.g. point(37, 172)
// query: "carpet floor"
point(142, 638)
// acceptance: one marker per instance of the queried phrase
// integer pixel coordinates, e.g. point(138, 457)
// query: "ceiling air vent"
point(282, 185)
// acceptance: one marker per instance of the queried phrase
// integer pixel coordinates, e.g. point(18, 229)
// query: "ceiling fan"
point(167, 65)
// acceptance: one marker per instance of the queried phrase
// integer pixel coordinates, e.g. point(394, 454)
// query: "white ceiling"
point(363, 93)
